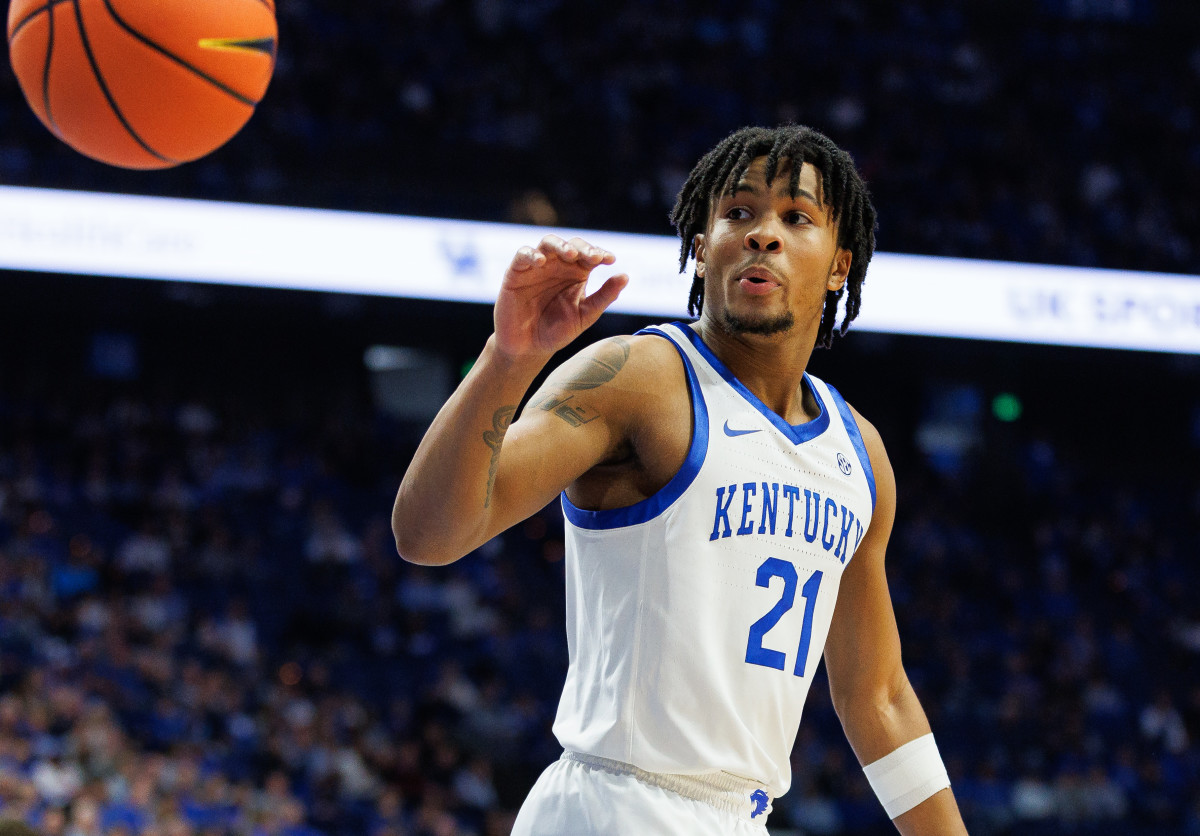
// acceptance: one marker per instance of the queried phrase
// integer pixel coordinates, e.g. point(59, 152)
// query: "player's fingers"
point(526, 258)
point(594, 305)
point(575, 251)
point(590, 254)
point(555, 246)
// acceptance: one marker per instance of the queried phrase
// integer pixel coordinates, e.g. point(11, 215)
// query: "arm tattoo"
point(493, 438)
point(591, 372)
point(601, 367)
point(576, 416)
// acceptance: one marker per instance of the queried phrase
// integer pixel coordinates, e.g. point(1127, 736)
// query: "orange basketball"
point(143, 83)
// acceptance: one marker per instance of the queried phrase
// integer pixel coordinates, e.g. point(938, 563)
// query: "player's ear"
point(698, 248)
point(839, 270)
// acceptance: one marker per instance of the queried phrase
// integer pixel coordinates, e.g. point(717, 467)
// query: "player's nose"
point(764, 237)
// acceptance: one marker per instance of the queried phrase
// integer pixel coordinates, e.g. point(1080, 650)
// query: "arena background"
point(204, 628)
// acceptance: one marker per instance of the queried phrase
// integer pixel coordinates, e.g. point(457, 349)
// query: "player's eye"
point(796, 218)
point(738, 213)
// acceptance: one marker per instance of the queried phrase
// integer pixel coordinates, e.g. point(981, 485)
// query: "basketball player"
point(726, 513)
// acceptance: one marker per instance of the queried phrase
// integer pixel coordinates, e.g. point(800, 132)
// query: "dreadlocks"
point(843, 190)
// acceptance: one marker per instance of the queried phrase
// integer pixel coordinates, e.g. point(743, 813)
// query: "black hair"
point(842, 189)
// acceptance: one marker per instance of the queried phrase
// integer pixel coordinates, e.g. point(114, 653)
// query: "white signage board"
point(352, 252)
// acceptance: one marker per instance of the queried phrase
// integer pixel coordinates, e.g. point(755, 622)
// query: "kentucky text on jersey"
point(809, 515)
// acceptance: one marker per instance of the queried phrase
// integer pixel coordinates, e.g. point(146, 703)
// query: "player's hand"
point(543, 303)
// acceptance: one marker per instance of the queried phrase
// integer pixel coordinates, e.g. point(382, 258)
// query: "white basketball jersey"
point(696, 618)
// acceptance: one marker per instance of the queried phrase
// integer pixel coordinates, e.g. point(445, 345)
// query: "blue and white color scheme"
point(463, 261)
point(697, 617)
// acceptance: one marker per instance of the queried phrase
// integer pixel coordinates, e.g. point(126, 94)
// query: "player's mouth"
point(757, 281)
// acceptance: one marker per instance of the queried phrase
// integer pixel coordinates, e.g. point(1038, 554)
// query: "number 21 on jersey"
point(756, 654)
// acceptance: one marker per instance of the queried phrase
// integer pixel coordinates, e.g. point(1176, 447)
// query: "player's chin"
point(761, 323)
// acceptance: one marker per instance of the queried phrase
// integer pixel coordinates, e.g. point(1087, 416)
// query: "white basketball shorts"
point(582, 795)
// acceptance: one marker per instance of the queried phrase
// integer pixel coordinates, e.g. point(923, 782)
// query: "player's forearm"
point(878, 721)
point(443, 507)
point(878, 727)
point(937, 815)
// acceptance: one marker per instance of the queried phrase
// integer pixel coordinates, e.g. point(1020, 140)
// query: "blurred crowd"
point(205, 631)
point(1054, 131)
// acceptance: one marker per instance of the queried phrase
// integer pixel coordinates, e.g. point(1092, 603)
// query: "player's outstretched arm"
point(875, 702)
point(458, 492)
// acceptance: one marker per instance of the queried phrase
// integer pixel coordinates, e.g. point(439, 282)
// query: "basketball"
point(143, 84)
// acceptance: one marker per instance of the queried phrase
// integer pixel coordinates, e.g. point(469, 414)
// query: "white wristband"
point(905, 777)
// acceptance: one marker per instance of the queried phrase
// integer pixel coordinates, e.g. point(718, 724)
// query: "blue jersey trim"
point(652, 506)
point(856, 438)
point(797, 433)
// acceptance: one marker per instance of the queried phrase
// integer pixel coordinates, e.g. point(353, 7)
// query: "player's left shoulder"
point(870, 435)
point(881, 465)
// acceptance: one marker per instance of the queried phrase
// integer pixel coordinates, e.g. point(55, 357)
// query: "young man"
point(726, 513)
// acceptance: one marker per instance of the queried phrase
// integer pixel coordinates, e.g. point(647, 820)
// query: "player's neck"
point(772, 367)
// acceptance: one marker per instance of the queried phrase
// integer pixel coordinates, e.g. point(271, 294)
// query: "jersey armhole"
point(652, 506)
point(856, 439)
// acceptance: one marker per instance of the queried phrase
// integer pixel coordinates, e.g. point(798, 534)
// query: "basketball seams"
point(180, 61)
point(97, 82)
point(12, 36)
point(48, 10)
point(87, 48)
point(46, 68)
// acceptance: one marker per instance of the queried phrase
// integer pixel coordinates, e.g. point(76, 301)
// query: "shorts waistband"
point(742, 797)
